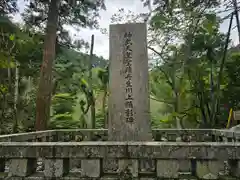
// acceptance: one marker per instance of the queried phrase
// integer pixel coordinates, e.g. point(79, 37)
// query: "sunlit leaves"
point(103, 75)
point(3, 88)
point(4, 63)
point(12, 37)
point(159, 21)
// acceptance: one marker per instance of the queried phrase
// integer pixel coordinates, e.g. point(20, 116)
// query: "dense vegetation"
point(47, 83)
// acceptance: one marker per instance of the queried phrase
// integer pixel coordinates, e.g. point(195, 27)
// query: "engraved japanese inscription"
point(128, 101)
point(127, 65)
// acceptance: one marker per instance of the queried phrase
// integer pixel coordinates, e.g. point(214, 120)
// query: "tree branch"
point(161, 100)
point(216, 101)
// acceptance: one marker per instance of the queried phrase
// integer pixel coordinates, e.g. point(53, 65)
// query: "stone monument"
point(129, 112)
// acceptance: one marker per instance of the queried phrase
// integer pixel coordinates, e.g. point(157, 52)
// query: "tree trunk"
point(217, 95)
point(93, 113)
point(45, 81)
point(16, 97)
point(176, 95)
point(176, 109)
point(9, 77)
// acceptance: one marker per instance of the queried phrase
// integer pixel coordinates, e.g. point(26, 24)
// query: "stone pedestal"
point(167, 169)
point(55, 168)
point(91, 168)
point(209, 169)
point(22, 167)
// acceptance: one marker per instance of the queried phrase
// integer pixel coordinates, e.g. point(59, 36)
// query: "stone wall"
point(58, 154)
point(172, 160)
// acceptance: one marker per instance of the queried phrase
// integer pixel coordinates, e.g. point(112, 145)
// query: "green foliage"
point(231, 92)
point(70, 67)
point(183, 81)
point(13, 43)
point(71, 72)
point(81, 14)
point(62, 105)
point(186, 79)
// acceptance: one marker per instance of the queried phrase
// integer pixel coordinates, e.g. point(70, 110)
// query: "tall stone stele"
point(129, 112)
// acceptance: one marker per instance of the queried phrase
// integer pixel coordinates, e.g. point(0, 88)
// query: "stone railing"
point(39, 136)
point(66, 135)
point(170, 135)
point(59, 154)
point(132, 160)
point(226, 136)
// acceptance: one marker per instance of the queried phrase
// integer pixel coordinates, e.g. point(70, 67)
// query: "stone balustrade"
point(171, 135)
point(179, 160)
point(226, 136)
point(39, 136)
point(77, 135)
point(67, 135)
point(204, 153)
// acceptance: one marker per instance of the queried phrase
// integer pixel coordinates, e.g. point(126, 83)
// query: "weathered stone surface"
point(164, 150)
point(172, 137)
point(129, 117)
point(30, 136)
point(75, 163)
point(51, 135)
point(184, 165)
point(209, 169)
point(130, 165)
point(56, 167)
point(91, 168)
point(110, 165)
point(40, 165)
point(92, 150)
point(149, 150)
point(116, 166)
point(167, 168)
point(147, 165)
point(22, 167)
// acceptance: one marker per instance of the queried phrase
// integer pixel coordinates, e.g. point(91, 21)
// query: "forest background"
point(50, 78)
